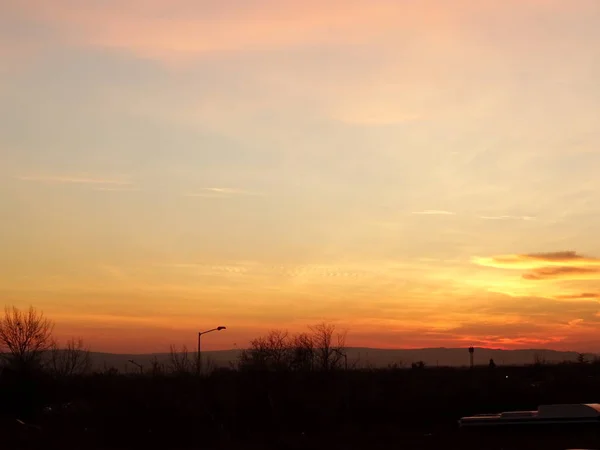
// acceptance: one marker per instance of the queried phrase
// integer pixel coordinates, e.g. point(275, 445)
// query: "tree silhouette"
point(73, 359)
point(25, 336)
point(302, 352)
point(321, 349)
point(328, 351)
point(271, 352)
point(180, 361)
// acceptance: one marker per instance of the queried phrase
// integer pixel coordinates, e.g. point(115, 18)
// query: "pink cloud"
point(179, 28)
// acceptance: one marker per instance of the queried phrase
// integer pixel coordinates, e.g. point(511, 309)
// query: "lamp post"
point(200, 333)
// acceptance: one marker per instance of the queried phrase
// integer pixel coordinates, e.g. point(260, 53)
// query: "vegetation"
point(321, 349)
point(25, 336)
point(73, 359)
point(287, 391)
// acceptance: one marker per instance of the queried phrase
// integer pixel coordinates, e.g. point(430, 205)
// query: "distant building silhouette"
point(471, 352)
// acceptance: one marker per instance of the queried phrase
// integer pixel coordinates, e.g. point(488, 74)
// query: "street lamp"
point(471, 351)
point(199, 362)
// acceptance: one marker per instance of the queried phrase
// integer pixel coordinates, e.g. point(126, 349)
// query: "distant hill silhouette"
point(365, 357)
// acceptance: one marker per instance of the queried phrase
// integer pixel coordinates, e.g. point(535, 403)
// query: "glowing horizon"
point(419, 173)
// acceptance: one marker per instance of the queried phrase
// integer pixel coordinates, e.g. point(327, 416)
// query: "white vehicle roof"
point(559, 413)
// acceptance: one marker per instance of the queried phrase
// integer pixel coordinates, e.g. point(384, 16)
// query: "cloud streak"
point(537, 260)
point(580, 296)
point(194, 28)
point(434, 212)
point(564, 273)
point(552, 266)
point(507, 217)
point(73, 180)
point(383, 117)
point(311, 271)
point(219, 192)
point(117, 189)
point(232, 191)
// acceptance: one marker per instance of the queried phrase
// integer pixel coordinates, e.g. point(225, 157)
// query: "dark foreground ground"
point(376, 409)
point(382, 438)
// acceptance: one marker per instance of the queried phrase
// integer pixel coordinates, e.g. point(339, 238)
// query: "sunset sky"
point(420, 173)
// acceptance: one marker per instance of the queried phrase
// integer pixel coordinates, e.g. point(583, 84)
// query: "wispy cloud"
point(191, 29)
point(282, 273)
point(195, 27)
point(434, 212)
point(568, 273)
point(230, 191)
point(203, 195)
point(206, 268)
point(537, 260)
point(564, 265)
point(379, 118)
point(507, 217)
point(73, 180)
point(218, 192)
point(117, 189)
point(580, 296)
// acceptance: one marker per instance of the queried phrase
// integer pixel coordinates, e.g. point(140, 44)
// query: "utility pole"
point(199, 356)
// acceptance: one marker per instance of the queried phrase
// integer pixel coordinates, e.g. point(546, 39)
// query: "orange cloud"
point(568, 273)
point(538, 260)
point(167, 29)
point(176, 29)
point(556, 256)
point(581, 296)
point(565, 265)
point(171, 29)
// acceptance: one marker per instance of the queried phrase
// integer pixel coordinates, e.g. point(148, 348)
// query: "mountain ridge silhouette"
point(363, 357)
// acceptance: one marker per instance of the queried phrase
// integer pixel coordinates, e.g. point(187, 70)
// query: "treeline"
point(28, 346)
point(322, 348)
point(286, 391)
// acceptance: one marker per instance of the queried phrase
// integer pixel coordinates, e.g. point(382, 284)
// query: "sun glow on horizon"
point(419, 173)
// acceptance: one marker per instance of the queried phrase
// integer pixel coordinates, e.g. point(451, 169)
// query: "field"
point(228, 409)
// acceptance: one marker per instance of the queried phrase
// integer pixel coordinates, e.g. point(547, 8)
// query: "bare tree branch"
point(25, 336)
point(156, 367)
point(180, 361)
point(270, 352)
point(74, 359)
point(322, 349)
point(328, 352)
point(302, 352)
